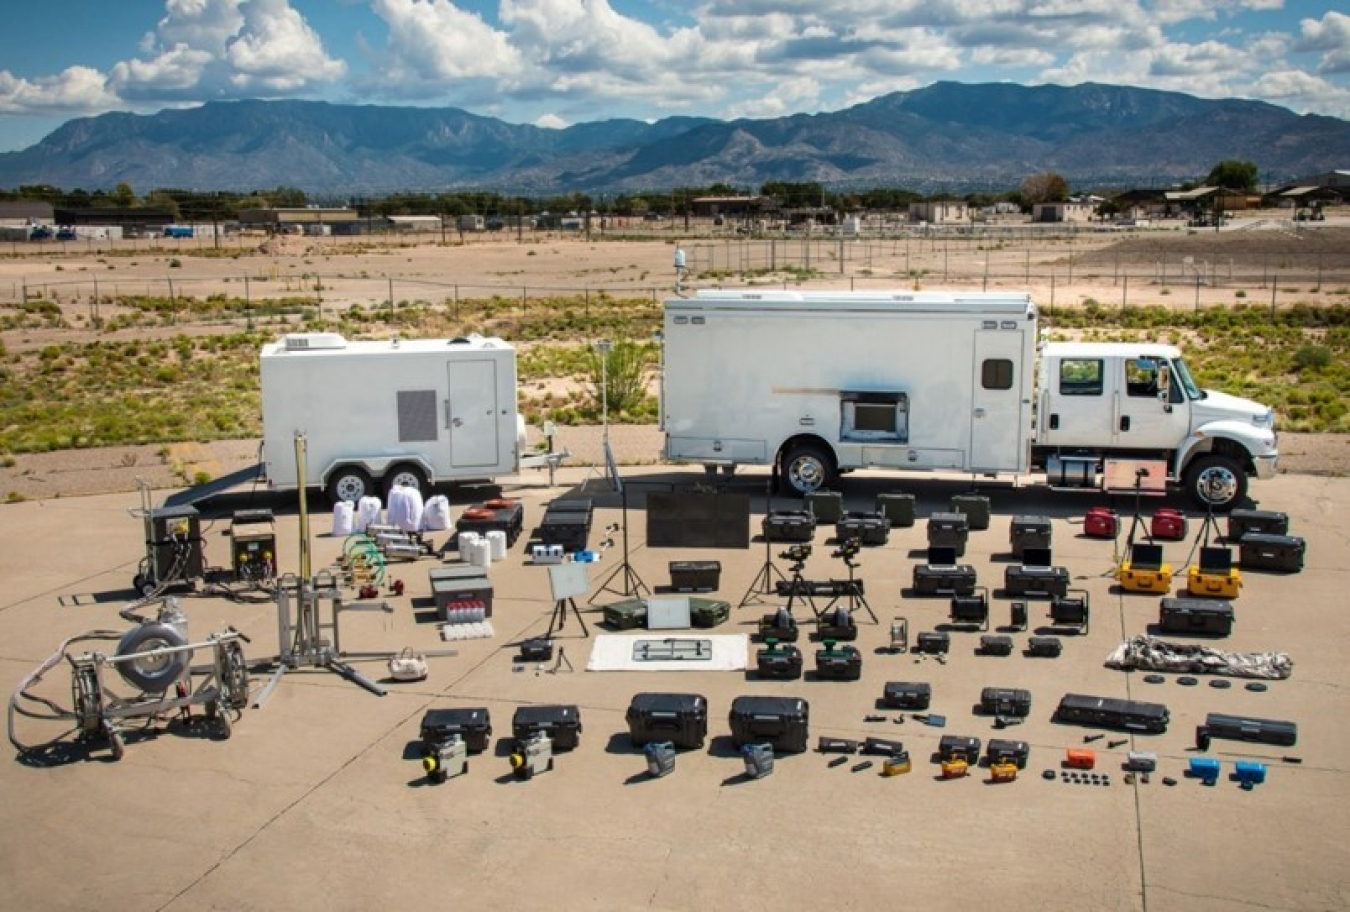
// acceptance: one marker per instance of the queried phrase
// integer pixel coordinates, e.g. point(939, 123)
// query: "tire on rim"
point(406, 474)
point(807, 467)
point(349, 483)
point(1216, 482)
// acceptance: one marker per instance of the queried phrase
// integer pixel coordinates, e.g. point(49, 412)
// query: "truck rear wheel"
point(1216, 482)
point(349, 483)
point(407, 475)
point(807, 468)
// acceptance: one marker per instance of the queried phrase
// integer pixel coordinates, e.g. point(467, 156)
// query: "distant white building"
point(939, 212)
point(1070, 211)
point(413, 223)
point(1333, 180)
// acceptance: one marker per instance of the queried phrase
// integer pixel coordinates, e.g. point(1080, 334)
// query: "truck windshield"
point(1183, 376)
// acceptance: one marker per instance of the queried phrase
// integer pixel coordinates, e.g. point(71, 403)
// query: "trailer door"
point(998, 413)
point(471, 413)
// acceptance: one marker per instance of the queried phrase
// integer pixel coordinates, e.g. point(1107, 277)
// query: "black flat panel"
point(686, 520)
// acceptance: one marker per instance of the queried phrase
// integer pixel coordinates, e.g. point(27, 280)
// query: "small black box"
point(885, 747)
point(1005, 701)
point(790, 526)
point(474, 725)
point(907, 695)
point(681, 719)
point(933, 642)
point(837, 624)
point(1264, 551)
point(1267, 522)
point(779, 662)
point(1016, 751)
point(1029, 532)
point(695, 576)
point(949, 530)
point(561, 722)
point(1202, 616)
point(779, 721)
point(536, 649)
point(996, 644)
point(1044, 647)
point(867, 528)
point(838, 663)
point(780, 626)
point(952, 746)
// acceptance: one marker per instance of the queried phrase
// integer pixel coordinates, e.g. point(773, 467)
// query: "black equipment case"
point(779, 662)
point(779, 721)
point(933, 642)
point(681, 719)
point(898, 508)
point(1005, 701)
point(1044, 647)
point(1246, 728)
point(1188, 615)
point(790, 526)
point(1108, 712)
point(562, 723)
point(949, 530)
point(996, 644)
point(974, 507)
point(952, 746)
point(1029, 532)
point(627, 614)
point(1016, 751)
point(474, 725)
point(942, 575)
point(907, 695)
point(837, 624)
point(838, 663)
point(695, 576)
point(1267, 522)
point(867, 528)
point(780, 626)
point(498, 515)
point(1265, 551)
point(705, 612)
point(569, 528)
point(1024, 579)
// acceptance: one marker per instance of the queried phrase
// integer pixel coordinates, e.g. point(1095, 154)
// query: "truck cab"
point(1125, 400)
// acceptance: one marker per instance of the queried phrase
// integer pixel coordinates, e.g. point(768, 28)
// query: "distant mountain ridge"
point(947, 136)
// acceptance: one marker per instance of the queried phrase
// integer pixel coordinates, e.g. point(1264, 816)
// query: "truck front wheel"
point(349, 483)
point(807, 468)
point(1216, 483)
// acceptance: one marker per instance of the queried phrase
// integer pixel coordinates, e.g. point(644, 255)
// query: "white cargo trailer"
point(388, 412)
point(821, 383)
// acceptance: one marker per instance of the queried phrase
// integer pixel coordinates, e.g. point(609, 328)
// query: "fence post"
point(1197, 291)
point(390, 280)
point(1272, 301)
point(173, 305)
point(1125, 291)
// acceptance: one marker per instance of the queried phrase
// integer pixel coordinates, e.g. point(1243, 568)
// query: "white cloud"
point(276, 52)
point(550, 122)
point(76, 89)
point(1330, 36)
point(1303, 92)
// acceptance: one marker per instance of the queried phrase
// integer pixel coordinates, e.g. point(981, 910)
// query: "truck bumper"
point(1266, 466)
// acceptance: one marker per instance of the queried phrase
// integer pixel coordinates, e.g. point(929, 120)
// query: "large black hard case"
point(561, 722)
point(570, 528)
point(789, 526)
point(695, 576)
point(1267, 522)
point(1029, 532)
point(473, 724)
point(1016, 751)
point(867, 528)
point(493, 516)
point(963, 746)
point(949, 530)
point(907, 694)
point(1005, 701)
point(944, 579)
point(1019, 579)
point(1249, 728)
point(1195, 616)
point(679, 718)
point(1264, 551)
point(779, 721)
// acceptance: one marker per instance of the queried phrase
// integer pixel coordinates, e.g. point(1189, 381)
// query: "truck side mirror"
point(1164, 381)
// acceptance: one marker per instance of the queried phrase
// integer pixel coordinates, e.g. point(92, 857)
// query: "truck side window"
point(1080, 377)
point(996, 374)
point(1141, 377)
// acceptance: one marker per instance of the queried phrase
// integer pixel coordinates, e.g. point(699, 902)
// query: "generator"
point(532, 756)
point(173, 547)
point(445, 758)
point(253, 546)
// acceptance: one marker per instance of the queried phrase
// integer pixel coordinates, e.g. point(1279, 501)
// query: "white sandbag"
point(344, 514)
point(367, 512)
point(405, 508)
point(436, 515)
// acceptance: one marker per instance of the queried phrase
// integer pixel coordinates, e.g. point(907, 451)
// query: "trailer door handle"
point(979, 413)
point(1124, 422)
point(1054, 421)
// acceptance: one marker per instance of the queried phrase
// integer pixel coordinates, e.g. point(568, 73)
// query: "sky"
point(554, 63)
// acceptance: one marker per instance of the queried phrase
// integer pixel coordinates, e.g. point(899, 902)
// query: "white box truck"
point(410, 411)
point(817, 384)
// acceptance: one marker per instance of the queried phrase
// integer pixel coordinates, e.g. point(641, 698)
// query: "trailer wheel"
point(409, 475)
point(349, 483)
point(807, 468)
point(1216, 482)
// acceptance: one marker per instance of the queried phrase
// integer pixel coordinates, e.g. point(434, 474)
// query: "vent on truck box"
point(416, 415)
point(313, 341)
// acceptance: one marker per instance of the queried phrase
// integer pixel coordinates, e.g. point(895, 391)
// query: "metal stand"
point(797, 586)
point(559, 619)
point(560, 662)
point(854, 591)
point(763, 583)
point(632, 583)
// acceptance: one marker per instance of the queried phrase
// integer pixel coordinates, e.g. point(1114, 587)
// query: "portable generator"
point(532, 756)
point(253, 546)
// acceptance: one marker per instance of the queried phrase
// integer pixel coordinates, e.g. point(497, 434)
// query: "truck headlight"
point(1265, 419)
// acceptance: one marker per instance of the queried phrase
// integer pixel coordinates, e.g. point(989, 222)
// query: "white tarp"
point(1151, 654)
point(615, 652)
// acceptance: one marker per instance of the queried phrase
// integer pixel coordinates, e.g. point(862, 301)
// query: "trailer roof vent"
point(313, 341)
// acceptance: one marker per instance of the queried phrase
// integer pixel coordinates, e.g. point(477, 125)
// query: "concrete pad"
point(318, 799)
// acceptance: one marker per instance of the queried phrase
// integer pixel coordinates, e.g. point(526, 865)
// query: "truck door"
point(998, 414)
point(471, 413)
point(1078, 401)
point(1152, 413)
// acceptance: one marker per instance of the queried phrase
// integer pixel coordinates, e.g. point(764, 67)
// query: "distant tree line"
point(224, 205)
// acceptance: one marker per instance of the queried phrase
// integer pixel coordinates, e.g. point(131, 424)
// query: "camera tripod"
point(797, 586)
point(763, 584)
point(853, 591)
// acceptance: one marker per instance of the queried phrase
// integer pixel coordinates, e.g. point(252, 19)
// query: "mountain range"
point(949, 136)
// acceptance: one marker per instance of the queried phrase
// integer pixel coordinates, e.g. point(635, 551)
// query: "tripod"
point(1137, 522)
point(797, 586)
point(854, 591)
point(763, 583)
point(559, 619)
point(632, 583)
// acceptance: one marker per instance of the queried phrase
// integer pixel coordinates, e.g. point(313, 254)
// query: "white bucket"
point(464, 541)
point(480, 553)
point(496, 540)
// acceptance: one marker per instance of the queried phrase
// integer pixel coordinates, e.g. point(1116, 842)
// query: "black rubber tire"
point(1216, 482)
point(349, 483)
point(155, 678)
point(807, 468)
point(406, 473)
point(117, 745)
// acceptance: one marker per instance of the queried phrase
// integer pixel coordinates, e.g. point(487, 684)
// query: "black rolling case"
point(959, 745)
point(561, 723)
point(1245, 728)
point(474, 725)
point(570, 528)
point(1029, 532)
point(868, 528)
point(907, 695)
point(1188, 615)
point(974, 507)
point(493, 516)
point(949, 530)
point(944, 579)
point(1264, 551)
point(996, 644)
point(1266, 522)
point(1025, 580)
point(838, 663)
point(779, 662)
point(933, 642)
point(790, 526)
point(1005, 701)
point(695, 576)
point(1016, 751)
point(681, 719)
point(1044, 647)
point(779, 721)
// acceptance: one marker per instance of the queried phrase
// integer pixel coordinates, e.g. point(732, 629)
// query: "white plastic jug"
point(344, 515)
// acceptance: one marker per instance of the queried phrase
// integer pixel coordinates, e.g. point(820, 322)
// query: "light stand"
point(605, 347)
point(763, 583)
point(559, 619)
point(632, 583)
point(854, 591)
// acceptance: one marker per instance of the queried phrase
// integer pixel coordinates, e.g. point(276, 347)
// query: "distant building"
point(413, 223)
point(19, 213)
point(299, 219)
point(733, 207)
point(1331, 180)
point(133, 221)
point(940, 212)
point(1074, 211)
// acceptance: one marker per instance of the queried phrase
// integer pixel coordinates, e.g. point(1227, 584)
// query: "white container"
point(405, 508)
point(480, 552)
point(464, 541)
point(496, 540)
point(367, 512)
point(436, 516)
point(344, 517)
